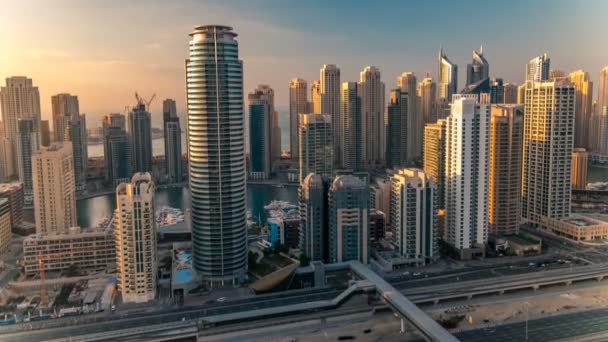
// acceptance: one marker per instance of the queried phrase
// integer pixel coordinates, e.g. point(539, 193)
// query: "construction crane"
point(44, 297)
point(142, 101)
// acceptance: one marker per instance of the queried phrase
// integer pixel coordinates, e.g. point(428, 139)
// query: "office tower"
point(173, 142)
point(349, 215)
point(415, 122)
point(427, 91)
point(352, 127)
point(380, 195)
point(371, 91)
point(275, 131)
point(602, 92)
point(447, 77)
point(510, 93)
point(548, 141)
point(479, 69)
point(580, 158)
point(54, 188)
point(5, 225)
point(329, 90)
point(216, 143)
point(313, 217)
point(45, 133)
point(76, 132)
point(506, 138)
point(414, 216)
point(583, 109)
point(7, 166)
point(537, 69)
point(19, 99)
point(315, 97)
point(497, 91)
point(397, 142)
point(601, 132)
point(556, 75)
point(298, 104)
point(521, 94)
point(64, 106)
point(140, 135)
point(466, 176)
point(316, 145)
point(260, 134)
point(116, 149)
point(135, 234)
point(1, 129)
point(27, 143)
point(434, 157)
point(13, 191)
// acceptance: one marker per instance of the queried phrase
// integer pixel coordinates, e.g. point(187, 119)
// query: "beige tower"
point(18, 99)
point(510, 93)
point(433, 157)
point(64, 106)
point(298, 104)
point(504, 181)
point(602, 92)
point(315, 97)
point(583, 110)
point(580, 158)
point(5, 225)
point(54, 188)
point(415, 122)
point(427, 91)
point(135, 232)
point(371, 91)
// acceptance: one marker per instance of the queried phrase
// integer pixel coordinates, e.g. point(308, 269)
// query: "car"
point(416, 274)
point(221, 299)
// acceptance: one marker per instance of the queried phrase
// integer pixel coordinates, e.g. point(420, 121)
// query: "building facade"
point(371, 91)
point(580, 159)
point(260, 133)
point(298, 104)
point(27, 143)
point(415, 121)
point(352, 127)
point(433, 162)
point(76, 132)
point(538, 68)
point(64, 106)
point(397, 132)
point(479, 69)
point(313, 217)
point(173, 142)
point(140, 137)
point(427, 91)
point(13, 191)
point(583, 109)
point(316, 145)
point(329, 96)
point(19, 99)
point(5, 225)
point(116, 149)
point(447, 77)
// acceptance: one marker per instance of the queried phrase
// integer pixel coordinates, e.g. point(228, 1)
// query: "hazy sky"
point(105, 50)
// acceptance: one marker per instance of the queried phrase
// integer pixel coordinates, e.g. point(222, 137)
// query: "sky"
point(105, 50)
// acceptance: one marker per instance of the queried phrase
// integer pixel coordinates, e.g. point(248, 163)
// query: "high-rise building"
point(380, 195)
point(315, 97)
point(600, 132)
point(580, 158)
point(479, 69)
point(298, 104)
point(349, 214)
point(45, 133)
point(264, 91)
point(538, 68)
point(140, 135)
point(397, 142)
point(583, 109)
point(510, 93)
point(54, 188)
point(173, 142)
point(352, 127)
point(313, 217)
point(5, 225)
point(19, 99)
point(76, 132)
point(557, 75)
point(27, 143)
point(414, 216)
point(466, 175)
point(548, 141)
point(497, 91)
point(7, 166)
point(506, 138)
point(64, 106)
point(135, 234)
point(260, 133)
point(371, 91)
point(447, 77)
point(216, 148)
point(116, 149)
point(316, 147)
point(415, 121)
point(521, 94)
point(13, 191)
point(427, 91)
point(602, 92)
point(329, 91)
point(434, 157)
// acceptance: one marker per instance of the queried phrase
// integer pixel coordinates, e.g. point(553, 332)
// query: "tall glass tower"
point(216, 148)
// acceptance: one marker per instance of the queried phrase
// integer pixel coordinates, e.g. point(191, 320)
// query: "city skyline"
point(148, 55)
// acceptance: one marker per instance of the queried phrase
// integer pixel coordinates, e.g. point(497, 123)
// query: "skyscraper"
point(583, 109)
point(447, 77)
point(415, 122)
point(45, 133)
point(316, 147)
point(506, 138)
point(298, 104)
point(466, 165)
point(315, 97)
point(510, 93)
point(313, 217)
point(371, 91)
point(521, 94)
point(352, 126)
point(135, 235)
point(5, 225)
point(427, 91)
point(64, 106)
point(275, 130)
point(19, 99)
point(479, 69)
point(414, 216)
point(397, 142)
point(538, 68)
point(13, 191)
point(602, 92)
point(76, 132)
point(116, 149)
point(216, 145)
point(173, 142)
point(140, 135)
point(497, 91)
point(434, 157)
point(27, 143)
point(260, 133)
point(7, 162)
point(580, 158)
point(329, 90)
point(54, 188)
point(349, 214)
point(548, 141)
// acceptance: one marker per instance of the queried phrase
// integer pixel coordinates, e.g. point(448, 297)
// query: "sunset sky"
point(103, 51)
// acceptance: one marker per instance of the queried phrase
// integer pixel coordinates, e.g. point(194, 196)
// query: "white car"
point(221, 299)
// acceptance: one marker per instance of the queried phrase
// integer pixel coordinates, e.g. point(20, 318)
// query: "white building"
point(538, 68)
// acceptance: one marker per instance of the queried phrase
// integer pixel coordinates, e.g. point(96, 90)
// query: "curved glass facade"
point(216, 148)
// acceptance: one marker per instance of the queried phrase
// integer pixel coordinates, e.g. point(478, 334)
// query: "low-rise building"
point(576, 227)
point(13, 191)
